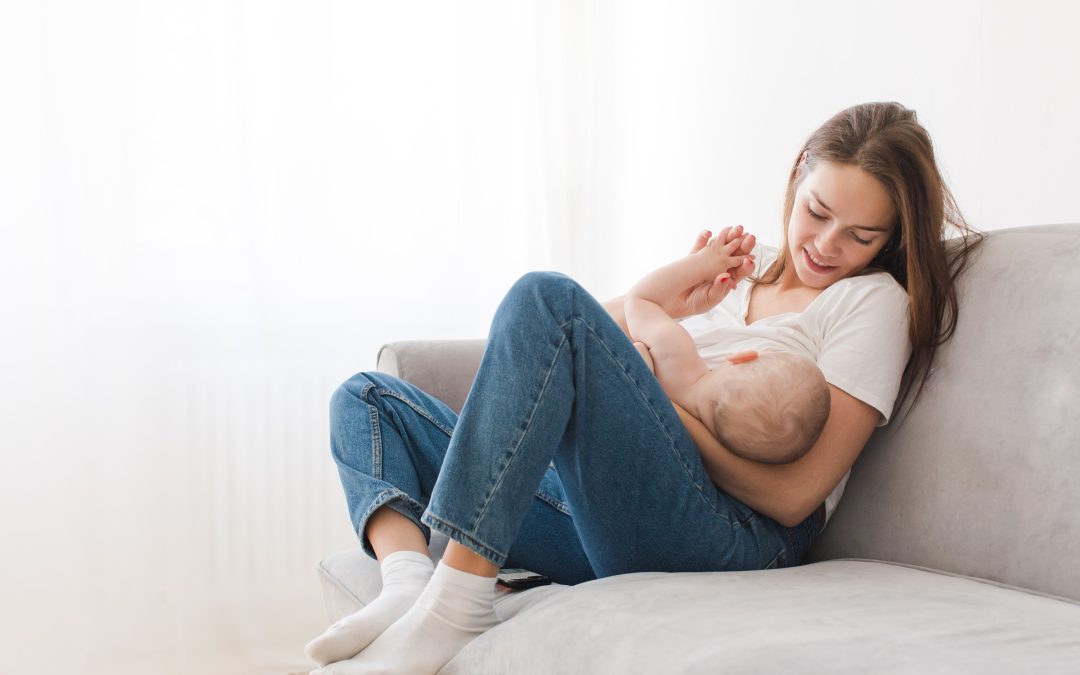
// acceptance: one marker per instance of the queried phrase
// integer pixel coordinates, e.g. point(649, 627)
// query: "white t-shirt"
point(856, 331)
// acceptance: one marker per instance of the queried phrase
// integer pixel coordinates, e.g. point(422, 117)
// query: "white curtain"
point(213, 213)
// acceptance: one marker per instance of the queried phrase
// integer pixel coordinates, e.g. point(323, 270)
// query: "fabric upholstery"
point(443, 368)
point(840, 616)
point(831, 617)
point(983, 476)
point(981, 479)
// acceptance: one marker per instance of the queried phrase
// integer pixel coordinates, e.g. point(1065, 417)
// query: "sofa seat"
point(837, 616)
point(981, 478)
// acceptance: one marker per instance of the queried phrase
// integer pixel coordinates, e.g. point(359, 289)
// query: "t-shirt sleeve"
point(866, 346)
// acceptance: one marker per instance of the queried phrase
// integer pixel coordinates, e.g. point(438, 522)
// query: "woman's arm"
point(789, 493)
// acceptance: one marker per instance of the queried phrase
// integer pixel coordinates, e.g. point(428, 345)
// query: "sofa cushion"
point(840, 616)
point(983, 477)
point(844, 616)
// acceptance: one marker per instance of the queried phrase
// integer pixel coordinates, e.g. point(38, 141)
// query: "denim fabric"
point(568, 458)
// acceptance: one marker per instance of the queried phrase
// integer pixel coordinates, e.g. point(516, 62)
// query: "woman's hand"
point(704, 296)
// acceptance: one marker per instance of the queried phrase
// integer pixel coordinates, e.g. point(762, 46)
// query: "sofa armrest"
point(443, 368)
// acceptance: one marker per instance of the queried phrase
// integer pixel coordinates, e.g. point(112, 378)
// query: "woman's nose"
point(826, 241)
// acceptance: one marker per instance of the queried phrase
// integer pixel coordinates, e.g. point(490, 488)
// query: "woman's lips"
point(814, 266)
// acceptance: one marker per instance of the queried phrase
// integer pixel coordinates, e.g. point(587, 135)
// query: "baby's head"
point(771, 409)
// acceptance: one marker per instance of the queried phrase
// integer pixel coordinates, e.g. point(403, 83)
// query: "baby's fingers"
point(701, 241)
point(733, 246)
point(726, 236)
point(721, 238)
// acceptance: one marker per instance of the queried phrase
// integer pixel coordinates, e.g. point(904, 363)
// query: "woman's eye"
point(864, 242)
point(814, 214)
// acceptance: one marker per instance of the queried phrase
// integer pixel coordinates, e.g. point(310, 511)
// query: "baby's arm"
point(677, 363)
point(644, 351)
point(674, 356)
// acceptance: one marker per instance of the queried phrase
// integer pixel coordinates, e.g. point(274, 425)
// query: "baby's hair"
point(779, 405)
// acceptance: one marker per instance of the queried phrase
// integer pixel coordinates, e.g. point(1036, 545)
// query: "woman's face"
point(841, 218)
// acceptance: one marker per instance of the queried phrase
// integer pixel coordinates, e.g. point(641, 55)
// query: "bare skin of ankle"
point(389, 532)
point(465, 559)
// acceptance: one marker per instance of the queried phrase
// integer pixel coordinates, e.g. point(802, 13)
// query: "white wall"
point(213, 212)
point(699, 107)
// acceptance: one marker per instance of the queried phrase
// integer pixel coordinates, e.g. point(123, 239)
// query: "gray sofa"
point(956, 547)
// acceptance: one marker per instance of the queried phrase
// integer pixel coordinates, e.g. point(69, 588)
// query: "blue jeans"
point(567, 459)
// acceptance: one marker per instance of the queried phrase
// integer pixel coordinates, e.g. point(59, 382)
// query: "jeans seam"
point(775, 562)
point(383, 391)
point(521, 437)
point(555, 503)
point(376, 433)
point(454, 532)
point(388, 495)
point(385, 498)
point(656, 416)
point(748, 521)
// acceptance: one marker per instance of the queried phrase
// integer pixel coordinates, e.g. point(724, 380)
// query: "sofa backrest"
point(983, 477)
point(443, 368)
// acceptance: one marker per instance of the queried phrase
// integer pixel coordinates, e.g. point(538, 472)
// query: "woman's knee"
point(349, 394)
point(353, 396)
point(354, 427)
point(544, 285)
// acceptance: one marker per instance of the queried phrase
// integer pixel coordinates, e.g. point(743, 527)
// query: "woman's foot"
point(454, 609)
point(405, 575)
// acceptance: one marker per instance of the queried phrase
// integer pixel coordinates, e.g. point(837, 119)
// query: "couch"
point(956, 547)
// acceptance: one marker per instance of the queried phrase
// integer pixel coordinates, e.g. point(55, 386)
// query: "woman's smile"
point(815, 265)
point(842, 217)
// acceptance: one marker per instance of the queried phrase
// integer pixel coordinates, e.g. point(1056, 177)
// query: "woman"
point(568, 459)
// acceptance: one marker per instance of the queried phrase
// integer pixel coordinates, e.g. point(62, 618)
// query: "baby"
point(768, 407)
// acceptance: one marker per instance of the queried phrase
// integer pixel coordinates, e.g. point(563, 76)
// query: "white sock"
point(454, 609)
point(404, 576)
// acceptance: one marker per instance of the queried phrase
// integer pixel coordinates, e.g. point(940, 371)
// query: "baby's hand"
point(748, 243)
point(729, 250)
point(703, 296)
point(729, 262)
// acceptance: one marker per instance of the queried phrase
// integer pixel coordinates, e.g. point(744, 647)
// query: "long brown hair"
point(886, 141)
